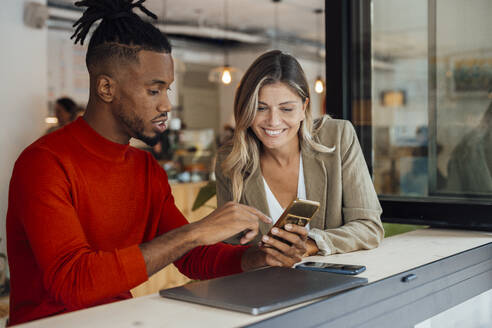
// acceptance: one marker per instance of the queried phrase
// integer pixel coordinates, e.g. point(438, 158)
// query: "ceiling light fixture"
point(51, 120)
point(275, 23)
point(319, 85)
point(224, 74)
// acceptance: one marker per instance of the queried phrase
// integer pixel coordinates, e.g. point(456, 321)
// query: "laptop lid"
point(263, 290)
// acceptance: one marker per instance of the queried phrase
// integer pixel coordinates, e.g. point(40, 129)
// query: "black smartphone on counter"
point(332, 267)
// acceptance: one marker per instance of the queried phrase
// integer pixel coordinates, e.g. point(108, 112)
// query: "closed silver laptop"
point(263, 290)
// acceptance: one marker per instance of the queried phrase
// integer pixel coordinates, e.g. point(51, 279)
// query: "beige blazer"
point(349, 216)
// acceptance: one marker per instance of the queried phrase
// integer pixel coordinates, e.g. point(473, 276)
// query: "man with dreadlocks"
point(90, 217)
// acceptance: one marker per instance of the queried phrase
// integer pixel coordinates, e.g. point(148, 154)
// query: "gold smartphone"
point(299, 212)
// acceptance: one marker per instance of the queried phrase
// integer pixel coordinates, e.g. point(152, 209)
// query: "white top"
point(276, 210)
point(274, 206)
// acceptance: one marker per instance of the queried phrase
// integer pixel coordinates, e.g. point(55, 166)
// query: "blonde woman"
point(278, 154)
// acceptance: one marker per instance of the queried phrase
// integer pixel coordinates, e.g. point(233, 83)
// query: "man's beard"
point(136, 125)
point(151, 141)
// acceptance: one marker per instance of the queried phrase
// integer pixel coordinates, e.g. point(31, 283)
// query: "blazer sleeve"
point(223, 184)
point(361, 211)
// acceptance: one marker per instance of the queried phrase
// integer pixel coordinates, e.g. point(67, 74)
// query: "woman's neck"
point(283, 156)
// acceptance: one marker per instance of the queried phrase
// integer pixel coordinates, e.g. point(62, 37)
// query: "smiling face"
point(141, 102)
point(278, 117)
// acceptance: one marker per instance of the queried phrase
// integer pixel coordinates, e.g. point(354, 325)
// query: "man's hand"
point(224, 222)
point(228, 220)
point(274, 252)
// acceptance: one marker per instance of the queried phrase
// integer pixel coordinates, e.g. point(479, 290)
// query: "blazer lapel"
point(254, 193)
point(316, 181)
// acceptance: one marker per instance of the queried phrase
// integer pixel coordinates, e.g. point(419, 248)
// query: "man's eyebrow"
point(156, 81)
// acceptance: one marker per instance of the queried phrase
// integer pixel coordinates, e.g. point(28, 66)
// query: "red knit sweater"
point(79, 205)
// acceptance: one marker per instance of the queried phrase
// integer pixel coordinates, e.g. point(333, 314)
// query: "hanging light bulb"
point(226, 75)
point(275, 21)
point(319, 85)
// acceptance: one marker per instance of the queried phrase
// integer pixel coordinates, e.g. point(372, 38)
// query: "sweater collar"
point(96, 143)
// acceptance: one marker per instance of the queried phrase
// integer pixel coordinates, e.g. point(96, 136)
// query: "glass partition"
point(461, 106)
point(418, 89)
point(431, 86)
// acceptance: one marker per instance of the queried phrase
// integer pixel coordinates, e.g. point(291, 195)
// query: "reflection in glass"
point(470, 163)
point(431, 90)
point(463, 90)
point(400, 97)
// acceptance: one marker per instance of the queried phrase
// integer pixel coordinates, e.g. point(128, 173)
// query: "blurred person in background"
point(470, 164)
point(66, 111)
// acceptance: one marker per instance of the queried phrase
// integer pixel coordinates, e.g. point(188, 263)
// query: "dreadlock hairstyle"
point(121, 33)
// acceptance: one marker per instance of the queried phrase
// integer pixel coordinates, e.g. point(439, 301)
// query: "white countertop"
point(395, 255)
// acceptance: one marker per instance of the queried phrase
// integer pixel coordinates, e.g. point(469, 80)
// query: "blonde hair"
point(271, 67)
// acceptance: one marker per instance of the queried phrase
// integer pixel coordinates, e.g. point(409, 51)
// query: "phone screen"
point(299, 220)
point(348, 267)
point(332, 267)
point(302, 208)
point(298, 212)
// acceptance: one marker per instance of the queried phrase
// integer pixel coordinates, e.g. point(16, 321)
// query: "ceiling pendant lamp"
point(319, 84)
point(224, 74)
point(275, 22)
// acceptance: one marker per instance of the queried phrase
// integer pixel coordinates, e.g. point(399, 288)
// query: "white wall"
point(66, 69)
point(23, 87)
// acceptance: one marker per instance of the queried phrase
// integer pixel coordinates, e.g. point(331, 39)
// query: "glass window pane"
point(463, 96)
point(431, 91)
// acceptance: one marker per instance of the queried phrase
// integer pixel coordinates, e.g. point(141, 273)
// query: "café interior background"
point(38, 65)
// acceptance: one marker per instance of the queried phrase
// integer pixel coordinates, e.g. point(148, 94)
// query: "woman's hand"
point(279, 253)
point(273, 252)
point(312, 248)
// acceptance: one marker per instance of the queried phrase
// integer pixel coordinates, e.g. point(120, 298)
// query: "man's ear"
point(105, 88)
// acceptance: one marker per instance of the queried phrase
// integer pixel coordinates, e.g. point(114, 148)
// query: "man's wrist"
point(193, 234)
point(253, 258)
point(168, 247)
